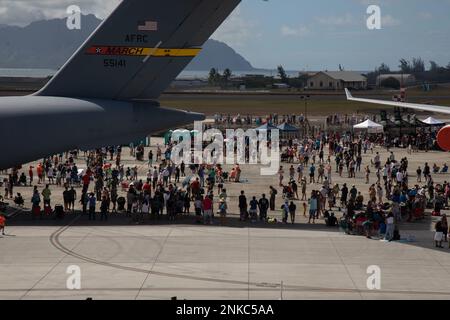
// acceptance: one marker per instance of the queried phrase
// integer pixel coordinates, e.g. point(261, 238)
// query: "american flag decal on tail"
point(148, 26)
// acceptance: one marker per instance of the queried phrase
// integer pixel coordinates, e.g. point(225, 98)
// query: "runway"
point(160, 260)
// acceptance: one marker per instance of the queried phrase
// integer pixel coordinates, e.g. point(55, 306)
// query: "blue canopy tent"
point(267, 127)
point(288, 131)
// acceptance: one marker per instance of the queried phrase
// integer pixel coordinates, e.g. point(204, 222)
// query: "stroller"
point(3, 205)
point(225, 176)
point(288, 193)
point(285, 157)
point(121, 204)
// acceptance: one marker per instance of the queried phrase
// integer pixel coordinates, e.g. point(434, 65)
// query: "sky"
point(302, 35)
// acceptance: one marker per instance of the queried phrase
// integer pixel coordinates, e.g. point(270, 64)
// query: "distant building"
point(281, 86)
point(404, 79)
point(189, 83)
point(337, 80)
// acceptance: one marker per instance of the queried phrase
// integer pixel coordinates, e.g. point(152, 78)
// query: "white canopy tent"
point(433, 122)
point(370, 126)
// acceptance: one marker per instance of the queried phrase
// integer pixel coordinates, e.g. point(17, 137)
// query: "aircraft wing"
point(415, 106)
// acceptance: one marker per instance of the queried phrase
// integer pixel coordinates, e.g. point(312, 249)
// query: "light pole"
point(306, 98)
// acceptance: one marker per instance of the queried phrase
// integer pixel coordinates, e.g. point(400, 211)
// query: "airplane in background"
point(107, 92)
point(443, 137)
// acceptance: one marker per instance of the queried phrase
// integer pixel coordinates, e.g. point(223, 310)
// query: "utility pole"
point(306, 98)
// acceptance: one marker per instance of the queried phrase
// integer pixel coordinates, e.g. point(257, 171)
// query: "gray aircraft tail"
point(139, 49)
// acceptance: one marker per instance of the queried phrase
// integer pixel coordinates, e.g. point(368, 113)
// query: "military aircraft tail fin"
point(139, 49)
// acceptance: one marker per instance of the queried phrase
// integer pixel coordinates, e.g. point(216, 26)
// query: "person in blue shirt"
point(201, 174)
point(254, 209)
point(285, 209)
point(396, 198)
point(403, 198)
point(312, 173)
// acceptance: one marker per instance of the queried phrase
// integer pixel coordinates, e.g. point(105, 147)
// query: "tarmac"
point(159, 260)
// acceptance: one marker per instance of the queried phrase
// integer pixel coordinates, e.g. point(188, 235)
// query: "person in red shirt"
point(195, 187)
point(207, 210)
point(2, 223)
point(40, 171)
point(30, 174)
point(86, 180)
point(147, 188)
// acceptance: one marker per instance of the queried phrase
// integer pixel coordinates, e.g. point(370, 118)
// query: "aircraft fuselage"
point(34, 127)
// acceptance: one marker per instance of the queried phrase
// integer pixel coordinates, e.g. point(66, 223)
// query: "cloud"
point(287, 31)
point(389, 21)
point(22, 12)
point(337, 21)
point(236, 30)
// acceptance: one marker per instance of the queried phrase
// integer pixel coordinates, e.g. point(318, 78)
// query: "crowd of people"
point(306, 179)
point(393, 195)
point(248, 119)
point(294, 119)
point(167, 189)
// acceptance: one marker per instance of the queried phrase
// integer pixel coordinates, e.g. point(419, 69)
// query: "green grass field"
point(284, 102)
point(260, 105)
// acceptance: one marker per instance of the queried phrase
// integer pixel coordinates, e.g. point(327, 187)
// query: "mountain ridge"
point(49, 44)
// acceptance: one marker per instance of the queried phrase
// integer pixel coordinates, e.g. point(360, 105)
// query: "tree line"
point(416, 67)
point(217, 79)
point(223, 80)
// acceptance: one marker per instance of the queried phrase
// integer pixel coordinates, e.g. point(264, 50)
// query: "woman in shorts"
point(222, 211)
point(439, 234)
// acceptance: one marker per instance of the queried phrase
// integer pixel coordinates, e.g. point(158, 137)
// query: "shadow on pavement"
point(417, 233)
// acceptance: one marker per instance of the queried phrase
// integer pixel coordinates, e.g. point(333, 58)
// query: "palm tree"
point(226, 76)
point(212, 76)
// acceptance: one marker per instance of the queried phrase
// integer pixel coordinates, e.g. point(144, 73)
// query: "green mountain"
point(48, 44)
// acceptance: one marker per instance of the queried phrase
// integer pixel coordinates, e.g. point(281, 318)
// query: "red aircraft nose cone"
point(443, 138)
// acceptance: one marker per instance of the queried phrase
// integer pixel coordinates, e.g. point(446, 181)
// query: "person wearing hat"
point(313, 205)
point(131, 194)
